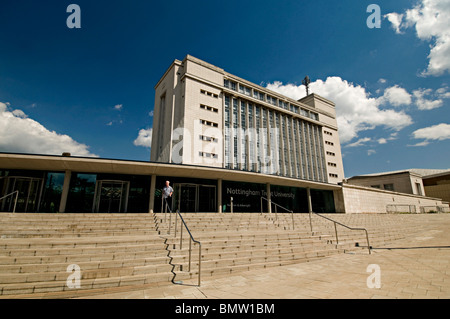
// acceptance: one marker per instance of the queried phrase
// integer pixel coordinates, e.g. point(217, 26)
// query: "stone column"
point(151, 204)
point(65, 191)
point(219, 195)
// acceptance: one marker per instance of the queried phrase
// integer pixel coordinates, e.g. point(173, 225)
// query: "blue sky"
point(91, 90)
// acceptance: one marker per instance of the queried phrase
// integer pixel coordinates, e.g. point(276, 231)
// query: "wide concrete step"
point(182, 256)
point(250, 235)
point(64, 234)
point(77, 242)
point(35, 288)
point(85, 274)
point(22, 268)
point(82, 250)
point(226, 270)
point(251, 242)
point(73, 259)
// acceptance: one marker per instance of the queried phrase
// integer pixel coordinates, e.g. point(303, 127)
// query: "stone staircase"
point(240, 242)
point(120, 252)
point(113, 252)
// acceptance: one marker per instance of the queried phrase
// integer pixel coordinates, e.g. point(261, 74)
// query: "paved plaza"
point(415, 267)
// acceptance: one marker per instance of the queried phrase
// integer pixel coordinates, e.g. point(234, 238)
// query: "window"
point(204, 122)
point(329, 143)
point(375, 186)
point(208, 138)
point(333, 175)
point(332, 164)
point(419, 189)
point(209, 94)
point(389, 187)
point(314, 116)
point(271, 100)
point(258, 95)
point(283, 105)
point(227, 132)
point(328, 133)
point(331, 153)
point(209, 108)
point(244, 90)
point(208, 155)
point(229, 84)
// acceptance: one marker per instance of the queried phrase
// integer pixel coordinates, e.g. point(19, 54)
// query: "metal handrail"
point(15, 202)
point(348, 227)
point(276, 212)
point(191, 239)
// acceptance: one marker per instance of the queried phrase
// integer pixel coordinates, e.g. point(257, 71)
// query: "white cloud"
point(396, 96)
point(21, 134)
point(356, 110)
point(396, 20)
point(371, 152)
point(420, 144)
point(19, 113)
point(430, 20)
point(118, 107)
point(382, 81)
point(382, 141)
point(443, 93)
point(360, 142)
point(424, 103)
point(438, 132)
point(144, 138)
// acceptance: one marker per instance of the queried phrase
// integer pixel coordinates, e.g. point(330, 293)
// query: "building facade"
point(438, 185)
point(206, 116)
point(226, 145)
point(406, 181)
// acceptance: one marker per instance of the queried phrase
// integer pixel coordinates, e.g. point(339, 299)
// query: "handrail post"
point(181, 235)
point(190, 253)
point(15, 202)
point(368, 244)
point(176, 224)
point(170, 218)
point(293, 224)
point(335, 230)
point(199, 262)
point(163, 208)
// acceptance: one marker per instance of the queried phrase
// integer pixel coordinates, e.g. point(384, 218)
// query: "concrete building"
point(438, 185)
point(407, 181)
point(206, 116)
point(226, 145)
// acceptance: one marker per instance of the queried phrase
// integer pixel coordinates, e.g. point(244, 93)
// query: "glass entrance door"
point(193, 198)
point(29, 194)
point(111, 196)
point(207, 198)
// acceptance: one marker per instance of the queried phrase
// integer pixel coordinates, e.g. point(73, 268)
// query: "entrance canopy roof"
point(129, 167)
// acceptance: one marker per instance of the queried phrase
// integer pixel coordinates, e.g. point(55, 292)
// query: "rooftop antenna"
point(306, 82)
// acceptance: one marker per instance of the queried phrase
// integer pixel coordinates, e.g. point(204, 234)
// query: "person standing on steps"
point(167, 194)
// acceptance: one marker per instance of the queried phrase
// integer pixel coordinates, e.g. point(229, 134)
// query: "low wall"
point(360, 199)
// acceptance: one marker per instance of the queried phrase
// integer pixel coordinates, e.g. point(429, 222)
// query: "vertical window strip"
point(258, 148)
point(227, 132)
